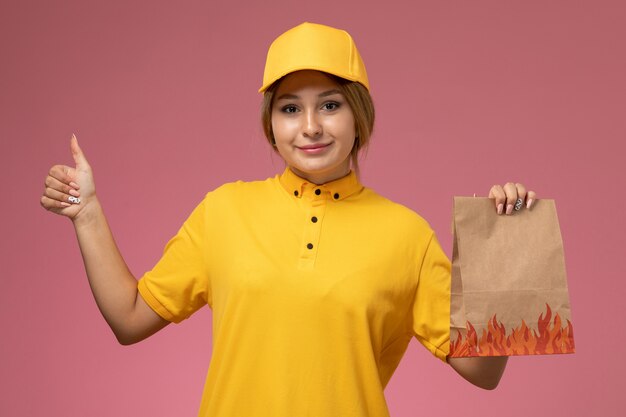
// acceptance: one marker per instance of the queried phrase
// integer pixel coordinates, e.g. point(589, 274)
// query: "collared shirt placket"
point(315, 199)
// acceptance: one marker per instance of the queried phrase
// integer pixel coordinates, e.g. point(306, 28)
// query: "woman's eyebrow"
point(288, 96)
point(329, 93)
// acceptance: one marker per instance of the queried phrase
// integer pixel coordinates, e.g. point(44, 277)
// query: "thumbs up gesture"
point(68, 190)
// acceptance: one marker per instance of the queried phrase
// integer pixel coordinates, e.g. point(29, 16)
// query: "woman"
point(317, 284)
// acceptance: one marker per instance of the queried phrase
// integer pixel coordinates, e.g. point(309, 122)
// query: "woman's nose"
point(312, 127)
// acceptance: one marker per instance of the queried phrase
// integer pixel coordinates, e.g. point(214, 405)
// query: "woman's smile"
point(315, 148)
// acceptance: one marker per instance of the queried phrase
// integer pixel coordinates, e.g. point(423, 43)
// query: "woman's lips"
point(314, 149)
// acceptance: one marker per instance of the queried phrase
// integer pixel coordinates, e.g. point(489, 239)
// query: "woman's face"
point(313, 126)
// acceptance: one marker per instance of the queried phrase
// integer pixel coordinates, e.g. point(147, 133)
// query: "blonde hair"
point(360, 101)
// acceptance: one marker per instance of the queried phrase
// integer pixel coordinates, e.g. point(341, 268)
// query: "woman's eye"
point(330, 106)
point(290, 109)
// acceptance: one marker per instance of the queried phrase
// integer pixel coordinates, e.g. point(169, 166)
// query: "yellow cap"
point(310, 46)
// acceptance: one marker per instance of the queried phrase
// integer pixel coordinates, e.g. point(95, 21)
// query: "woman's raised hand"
point(68, 191)
point(112, 283)
point(511, 197)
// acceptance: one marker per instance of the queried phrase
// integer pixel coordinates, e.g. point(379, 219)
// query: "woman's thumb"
point(77, 153)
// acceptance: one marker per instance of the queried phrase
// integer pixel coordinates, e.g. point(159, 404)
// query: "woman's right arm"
point(113, 285)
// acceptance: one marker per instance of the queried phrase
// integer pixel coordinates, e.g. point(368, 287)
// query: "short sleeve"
point(178, 285)
point(431, 304)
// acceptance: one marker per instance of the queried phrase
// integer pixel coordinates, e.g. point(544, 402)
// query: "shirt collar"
point(335, 190)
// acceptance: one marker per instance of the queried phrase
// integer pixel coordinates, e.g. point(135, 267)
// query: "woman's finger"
point(511, 196)
point(530, 199)
point(55, 184)
point(521, 196)
point(53, 205)
point(77, 154)
point(63, 174)
point(60, 196)
point(499, 196)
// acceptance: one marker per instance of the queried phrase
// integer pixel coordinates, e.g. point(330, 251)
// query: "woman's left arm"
point(486, 372)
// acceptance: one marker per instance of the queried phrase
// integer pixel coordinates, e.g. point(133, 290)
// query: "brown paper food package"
point(509, 287)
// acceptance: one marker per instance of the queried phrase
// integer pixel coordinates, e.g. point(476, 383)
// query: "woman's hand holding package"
point(511, 197)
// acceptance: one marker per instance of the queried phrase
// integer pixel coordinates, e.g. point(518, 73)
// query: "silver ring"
point(518, 204)
point(73, 199)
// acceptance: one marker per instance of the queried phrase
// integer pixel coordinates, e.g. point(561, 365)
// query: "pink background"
point(162, 96)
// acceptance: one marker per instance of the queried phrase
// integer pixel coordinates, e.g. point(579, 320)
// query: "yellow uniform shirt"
point(316, 292)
